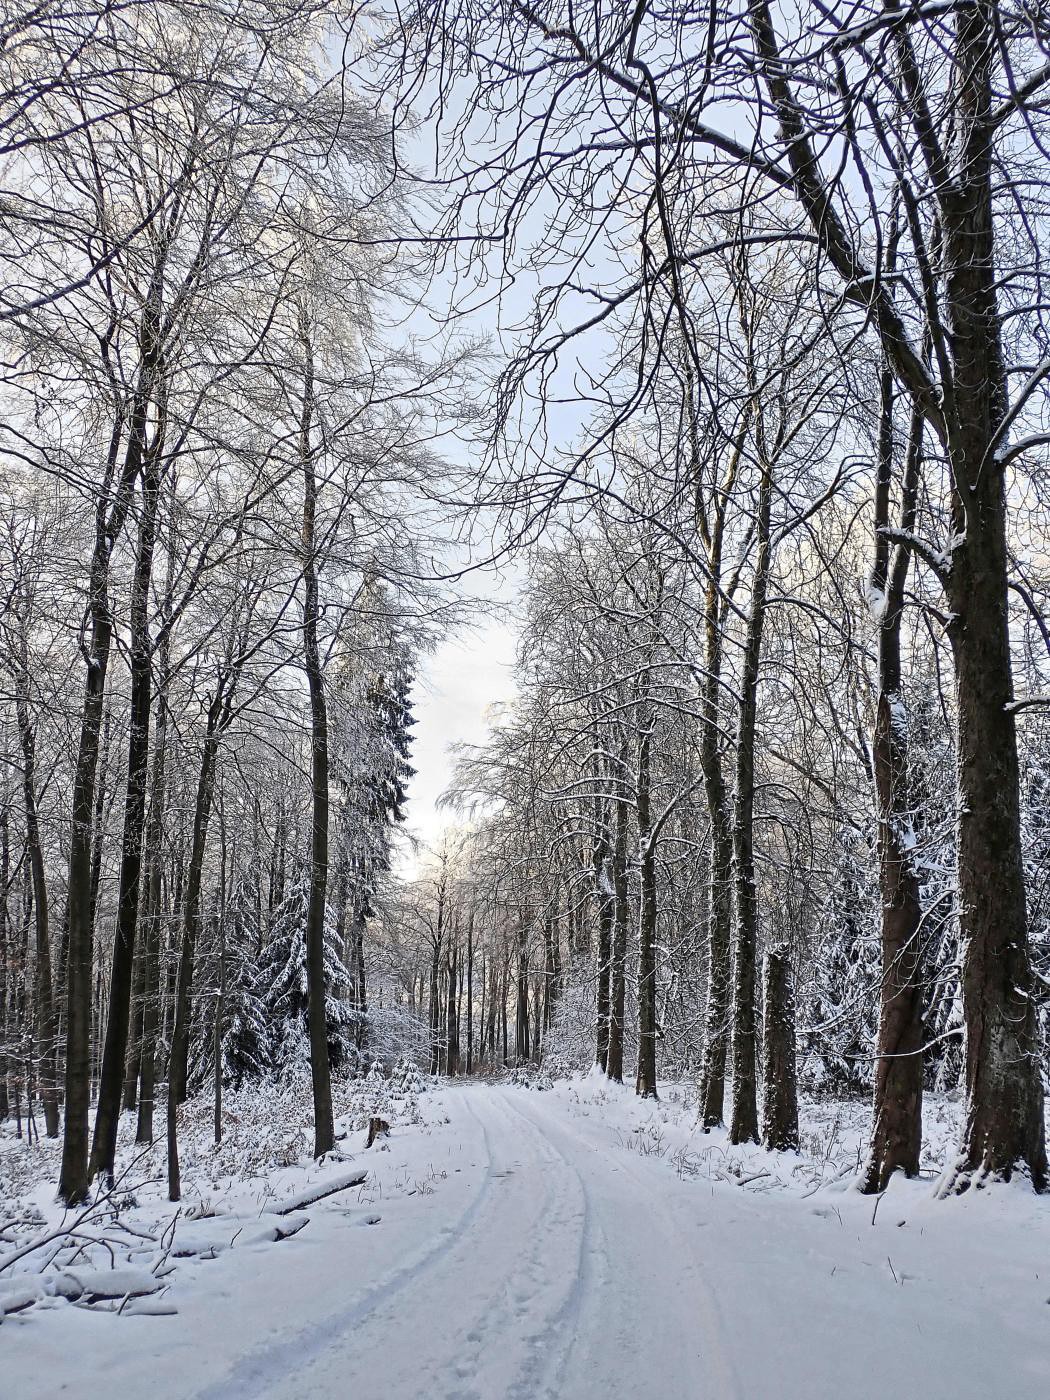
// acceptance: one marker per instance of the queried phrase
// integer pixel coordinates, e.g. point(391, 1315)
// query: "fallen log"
point(319, 1191)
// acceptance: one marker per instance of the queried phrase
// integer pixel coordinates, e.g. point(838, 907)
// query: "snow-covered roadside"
point(833, 1132)
point(126, 1250)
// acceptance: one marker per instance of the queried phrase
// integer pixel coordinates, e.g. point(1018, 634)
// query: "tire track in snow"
point(588, 1274)
point(253, 1375)
point(400, 1337)
point(716, 1377)
point(500, 1353)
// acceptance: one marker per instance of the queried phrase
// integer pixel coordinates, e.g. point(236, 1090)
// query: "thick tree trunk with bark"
point(1004, 1119)
point(779, 1078)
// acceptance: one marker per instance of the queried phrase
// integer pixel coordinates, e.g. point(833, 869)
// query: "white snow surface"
point(575, 1244)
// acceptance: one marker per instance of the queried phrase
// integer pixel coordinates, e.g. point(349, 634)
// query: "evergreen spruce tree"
point(283, 987)
point(371, 724)
point(244, 1040)
point(375, 773)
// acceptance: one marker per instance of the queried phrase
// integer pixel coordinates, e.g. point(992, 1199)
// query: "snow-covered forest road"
point(533, 1245)
point(553, 1275)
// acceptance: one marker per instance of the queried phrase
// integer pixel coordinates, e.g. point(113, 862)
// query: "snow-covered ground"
point(513, 1244)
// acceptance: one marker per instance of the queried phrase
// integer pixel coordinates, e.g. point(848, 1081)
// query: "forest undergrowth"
point(245, 1190)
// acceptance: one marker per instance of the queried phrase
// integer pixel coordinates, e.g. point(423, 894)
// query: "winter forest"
point(666, 1015)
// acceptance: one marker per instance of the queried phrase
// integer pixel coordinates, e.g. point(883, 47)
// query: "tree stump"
point(377, 1128)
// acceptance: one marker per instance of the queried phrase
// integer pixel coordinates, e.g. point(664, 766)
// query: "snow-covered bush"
point(395, 1035)
point(394, 1097)
point(530, 1077)
point(841, 1016)
point(569, 1040)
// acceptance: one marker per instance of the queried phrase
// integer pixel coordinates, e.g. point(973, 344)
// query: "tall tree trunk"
point(111, 1080)
point(645, 1084)
point(6, 971)
point(604, 912)
point(470, 993)
point(490, 1033)
point(719, 906)
point(550, 974)
point(100, 824)
point(173, 884)
point(20, 1009)
point(710, 518)
point(220, 1009)
point(1004, 1114)
point(504, 995)
point(743, 1125)
point(46, 1030)
point(896, 1136)
point(129, 1096)
point(451, 1020)
point(521, 1009)
point(191, 919)
point(147, 1064)
point(320, 1070)
point(361, 992)
point(81, 881)
point(618, 951)
point(151, 942)
point(345, 941)
point(435, 1010)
